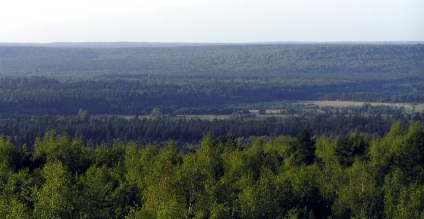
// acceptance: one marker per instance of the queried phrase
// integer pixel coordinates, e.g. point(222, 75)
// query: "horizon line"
point(248, 42)
point(141, 44)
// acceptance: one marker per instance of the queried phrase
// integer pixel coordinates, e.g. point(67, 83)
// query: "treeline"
point(44, 96)
point(203, 79)
point(357, 176)
point(187, 132)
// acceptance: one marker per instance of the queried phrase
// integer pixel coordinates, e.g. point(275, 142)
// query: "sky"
point(211, 21)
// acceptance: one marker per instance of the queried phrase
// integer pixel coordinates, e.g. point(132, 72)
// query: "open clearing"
point(409, 107)
point(279, 112)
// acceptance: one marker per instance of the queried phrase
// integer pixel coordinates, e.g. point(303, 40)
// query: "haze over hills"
point(207, 79)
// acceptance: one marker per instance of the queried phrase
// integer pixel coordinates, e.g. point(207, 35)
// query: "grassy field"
point(277, 109)
point(202, 117)
point(409, 107)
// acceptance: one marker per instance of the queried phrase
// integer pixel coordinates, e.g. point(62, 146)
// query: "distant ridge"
point(106, 44)
point(181, 44)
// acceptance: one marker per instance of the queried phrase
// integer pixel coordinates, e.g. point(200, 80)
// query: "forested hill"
point(111, 45)
point(126, 44)
point(206, 79)
point(225, 60)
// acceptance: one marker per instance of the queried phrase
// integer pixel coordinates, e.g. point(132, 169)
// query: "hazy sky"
point(211, 20)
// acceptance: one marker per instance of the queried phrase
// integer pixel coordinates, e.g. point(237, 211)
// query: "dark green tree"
point(306, 146)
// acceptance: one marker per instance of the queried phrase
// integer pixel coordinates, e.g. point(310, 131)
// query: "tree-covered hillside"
point(206, 79)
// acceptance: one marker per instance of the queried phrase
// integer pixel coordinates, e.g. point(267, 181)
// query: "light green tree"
point(54, 198)
point(361, 196)
point(163, 196)
point(72, 153)
point(15, 195)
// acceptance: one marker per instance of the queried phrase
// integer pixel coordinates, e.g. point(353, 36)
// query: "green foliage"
point(103, 193)
point(411, 202)
point(73, 154)
point(349, 148)
point(163, 197)
point(409, 156)
point(9, 157)
point(110, 156)
point(133, 166)
point(259, 200)
point(268, 178)
point(362, 195)
point(326, 150)
point(15, 195)
point(402, 200)
point(306, 146)
point(54, 198)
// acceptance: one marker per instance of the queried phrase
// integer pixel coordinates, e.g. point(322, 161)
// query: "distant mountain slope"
point(105, 44)
point(179, 44)
point(209, 79)
point(287, 60)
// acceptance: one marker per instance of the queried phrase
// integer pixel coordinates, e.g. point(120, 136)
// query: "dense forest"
point(203, 79)
point(283, 177)
point(188, 132)
point(211, 131)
